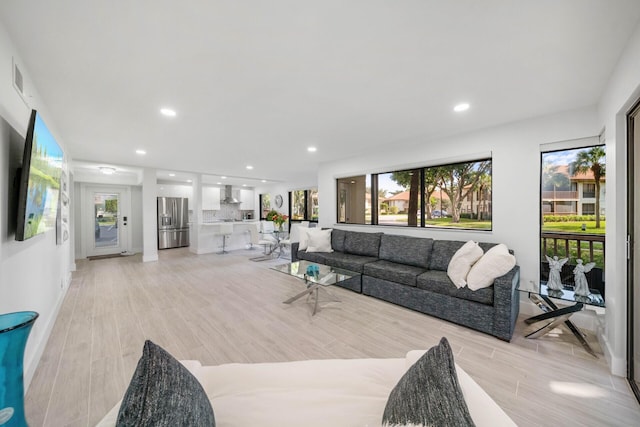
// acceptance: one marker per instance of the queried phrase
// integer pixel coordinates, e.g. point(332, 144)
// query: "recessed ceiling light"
point(312, 149)
point(107, 170)
point(189, 180)
point(461, 107)
point(223, 177)
point(218, 183)
point(244, 185)
point(141, 152)
point(168, 112)
point(264, 180)
point(172, 174)
point(249, 167)
point(162, 188)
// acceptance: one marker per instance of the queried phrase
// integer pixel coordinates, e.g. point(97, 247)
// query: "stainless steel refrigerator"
point(173, 222)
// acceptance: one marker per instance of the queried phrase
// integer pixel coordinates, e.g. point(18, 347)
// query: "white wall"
point(135, 221)
point(273, 190)
point(621, 93)
point(34, 274)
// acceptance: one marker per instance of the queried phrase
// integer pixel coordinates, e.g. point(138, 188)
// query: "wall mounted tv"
point(39, 186)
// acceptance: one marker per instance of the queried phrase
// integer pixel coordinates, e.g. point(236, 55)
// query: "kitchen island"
point(210, 239)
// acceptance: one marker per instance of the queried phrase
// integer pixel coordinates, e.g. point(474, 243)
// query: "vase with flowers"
point(277, 218)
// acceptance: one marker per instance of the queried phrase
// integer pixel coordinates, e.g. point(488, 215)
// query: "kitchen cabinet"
point(247, 201)
point(176, 190)
point(210, 198)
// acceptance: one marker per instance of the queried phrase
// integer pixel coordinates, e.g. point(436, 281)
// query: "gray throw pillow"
point(162, 393)
point(428, 394)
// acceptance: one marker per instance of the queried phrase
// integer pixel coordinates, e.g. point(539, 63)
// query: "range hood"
point(228, 195)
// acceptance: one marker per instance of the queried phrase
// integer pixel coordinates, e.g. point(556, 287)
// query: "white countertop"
point(250, 221)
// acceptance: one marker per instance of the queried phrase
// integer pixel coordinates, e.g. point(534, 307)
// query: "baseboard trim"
point(31, 365)
point(617, 365)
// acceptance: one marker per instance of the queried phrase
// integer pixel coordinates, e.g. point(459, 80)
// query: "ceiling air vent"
point(17, 79)
point(18, 82)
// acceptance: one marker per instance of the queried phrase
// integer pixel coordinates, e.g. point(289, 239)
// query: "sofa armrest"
point(506, 300)
point(294, 251)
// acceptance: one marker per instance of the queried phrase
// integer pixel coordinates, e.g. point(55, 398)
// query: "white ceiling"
point(256, 82)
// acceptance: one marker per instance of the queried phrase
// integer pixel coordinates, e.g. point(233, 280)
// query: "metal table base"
point(312, 292)
point(554, 316)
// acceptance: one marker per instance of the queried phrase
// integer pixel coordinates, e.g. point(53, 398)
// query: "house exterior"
point(579, 199)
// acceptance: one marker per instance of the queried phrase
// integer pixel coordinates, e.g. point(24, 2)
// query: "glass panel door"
point(106, 210)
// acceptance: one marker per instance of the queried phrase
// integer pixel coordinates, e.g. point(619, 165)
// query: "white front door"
point(106, 216)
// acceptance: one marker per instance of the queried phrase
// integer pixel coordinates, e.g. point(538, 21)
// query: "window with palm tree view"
point(573, 223)
point(454, 195)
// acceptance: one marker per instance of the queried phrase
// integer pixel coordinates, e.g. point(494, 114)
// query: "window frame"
point(421, 220)
point(307, 203)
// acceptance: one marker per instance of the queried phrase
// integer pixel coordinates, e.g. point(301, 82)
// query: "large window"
point(303, 205)
point(573, 222)
point(450, 196)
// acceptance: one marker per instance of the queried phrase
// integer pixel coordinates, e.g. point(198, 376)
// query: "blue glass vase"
point(14, 331)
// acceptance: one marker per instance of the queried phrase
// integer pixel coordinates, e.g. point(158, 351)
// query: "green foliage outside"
point(462, 223)
point(598, 251)
point(111, 205)
point(574, 227)
point(569, 218)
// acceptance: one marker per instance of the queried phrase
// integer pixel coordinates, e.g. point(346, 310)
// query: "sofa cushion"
point(443, 251)
point(393, 272)
point(318, 257)
point(349, 262)
point(163, 392)
point(438, 281)
point(320, 241)
point(408, 250)
point(358, 243)
point(307, 233)
point(493, 264)
point(429, 394)
point(337, 240)
point(462, 261)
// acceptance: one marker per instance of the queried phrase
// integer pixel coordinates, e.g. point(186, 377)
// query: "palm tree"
point(594, 160)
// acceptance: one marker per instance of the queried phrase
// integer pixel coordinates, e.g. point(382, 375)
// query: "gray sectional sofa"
point(412, 272)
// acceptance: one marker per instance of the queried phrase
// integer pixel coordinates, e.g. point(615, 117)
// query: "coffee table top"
point(327, 275)
point(567, 294)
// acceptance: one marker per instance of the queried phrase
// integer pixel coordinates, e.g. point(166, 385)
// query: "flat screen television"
point(39, 185)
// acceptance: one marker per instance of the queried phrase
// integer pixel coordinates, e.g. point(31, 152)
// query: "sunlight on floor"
point(577, 389)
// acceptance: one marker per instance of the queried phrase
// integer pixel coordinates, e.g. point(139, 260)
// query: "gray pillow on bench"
point(429, 394)
point(163, 393)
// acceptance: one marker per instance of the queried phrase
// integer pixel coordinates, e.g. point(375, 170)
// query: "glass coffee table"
point(324, 277)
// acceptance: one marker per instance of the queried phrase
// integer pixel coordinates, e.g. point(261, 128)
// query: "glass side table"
point(553, 315)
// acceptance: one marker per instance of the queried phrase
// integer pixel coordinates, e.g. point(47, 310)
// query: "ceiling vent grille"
point(18, 82)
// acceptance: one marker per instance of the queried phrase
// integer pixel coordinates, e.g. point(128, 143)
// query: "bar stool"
point(225, 230)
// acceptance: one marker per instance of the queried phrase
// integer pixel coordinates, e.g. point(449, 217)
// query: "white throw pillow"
point(304, 238)
point(496, 262)
point(320, 241)
point(462, 261)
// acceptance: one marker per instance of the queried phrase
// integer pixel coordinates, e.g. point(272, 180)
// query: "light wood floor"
point(220, 309)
